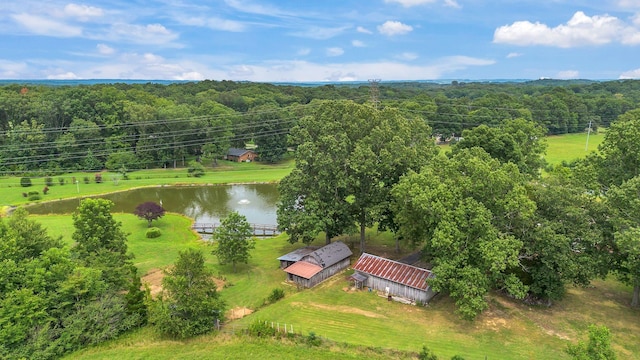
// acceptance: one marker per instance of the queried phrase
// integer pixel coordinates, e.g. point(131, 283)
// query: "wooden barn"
point(240, 155)
point(295, 256)
point(394, 278)
point(315, 265)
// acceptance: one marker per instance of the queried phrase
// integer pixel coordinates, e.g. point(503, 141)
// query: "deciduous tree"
point(234, 239)
point(149, 211)
point(347, 159)
point(465, 211)
point(189, 304)
point(100, 242)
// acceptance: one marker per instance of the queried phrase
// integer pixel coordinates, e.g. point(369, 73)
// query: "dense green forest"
point(134, 126)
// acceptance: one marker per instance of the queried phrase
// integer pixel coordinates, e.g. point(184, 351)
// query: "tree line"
point(47, 129)
point(483, 213)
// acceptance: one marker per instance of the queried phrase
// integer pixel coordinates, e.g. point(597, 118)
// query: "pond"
point(204, 204)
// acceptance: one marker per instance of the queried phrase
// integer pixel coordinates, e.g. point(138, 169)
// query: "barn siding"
point(322, 275)
point(397, 289)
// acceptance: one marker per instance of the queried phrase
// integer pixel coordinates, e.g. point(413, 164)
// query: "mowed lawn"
point(333, 310)
point(570, 147)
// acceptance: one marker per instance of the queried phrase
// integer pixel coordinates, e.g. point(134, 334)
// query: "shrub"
point(45, 190)
point(34, 195)
point(25, 194)
point(61, 180)
point(98, 178)
point(276, 295)
point(313, 339)
point(86, 180)
point(259, 328)
point(25, 182)
point(195, 169)
point(48, 181)
point(153, 232)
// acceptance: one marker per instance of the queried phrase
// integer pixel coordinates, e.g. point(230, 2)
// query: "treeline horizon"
point(57, 129)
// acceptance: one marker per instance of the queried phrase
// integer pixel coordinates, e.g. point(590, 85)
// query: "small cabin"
point(241, 155)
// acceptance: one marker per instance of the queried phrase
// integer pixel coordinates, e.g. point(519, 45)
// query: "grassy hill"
point(356, 323)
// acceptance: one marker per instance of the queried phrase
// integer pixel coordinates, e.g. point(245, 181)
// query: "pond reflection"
point(205, 204)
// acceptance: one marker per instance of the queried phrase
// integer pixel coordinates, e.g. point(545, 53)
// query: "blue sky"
point(319, 40)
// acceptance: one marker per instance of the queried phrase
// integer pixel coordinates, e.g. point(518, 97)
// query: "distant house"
point(308, 266)
point(394, 278)
point(240, 155)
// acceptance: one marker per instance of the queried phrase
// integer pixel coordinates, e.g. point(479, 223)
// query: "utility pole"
point(586, 147)
point(374, 92)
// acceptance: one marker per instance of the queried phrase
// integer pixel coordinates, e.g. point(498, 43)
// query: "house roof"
point(237, 152)
point(331, 254)
point(404, 274)
point(303, 269)
point(298, 254)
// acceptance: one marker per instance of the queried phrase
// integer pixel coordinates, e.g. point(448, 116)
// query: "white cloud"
point(308, 71)
point(142, 34)
point(632, 4)
point(192, 75)
point(363, 30)
point(214, 23)
point(358, 43)
point(391, 28)
point(259, 9)
point(241, 71)
point(580, 30)
point(44, 26)
point(82, 12)
point(105, 49)
point(407, 56)
point(513, 55)
point(409, 3)
point(225, 25)
point(12, 69)
point(632, 74)
point(321, 33)
point(334, 51)
point(304, 52)
point(63, 76)
point(568, 74)
point(452, 4)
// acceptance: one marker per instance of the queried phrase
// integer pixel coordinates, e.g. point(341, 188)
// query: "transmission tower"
point(374, 92)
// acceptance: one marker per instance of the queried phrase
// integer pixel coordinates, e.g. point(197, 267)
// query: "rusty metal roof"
point(303, 269)
point(404, 274)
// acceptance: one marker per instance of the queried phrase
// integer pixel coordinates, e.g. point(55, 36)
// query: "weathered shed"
point(394, 278)
point(317, 265)
point(293, 257)
point(240, 155)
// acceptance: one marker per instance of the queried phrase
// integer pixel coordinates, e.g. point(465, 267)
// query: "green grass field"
point(571, 146)
point(508, 330)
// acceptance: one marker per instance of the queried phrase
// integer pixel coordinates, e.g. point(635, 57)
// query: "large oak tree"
point(347, 160)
